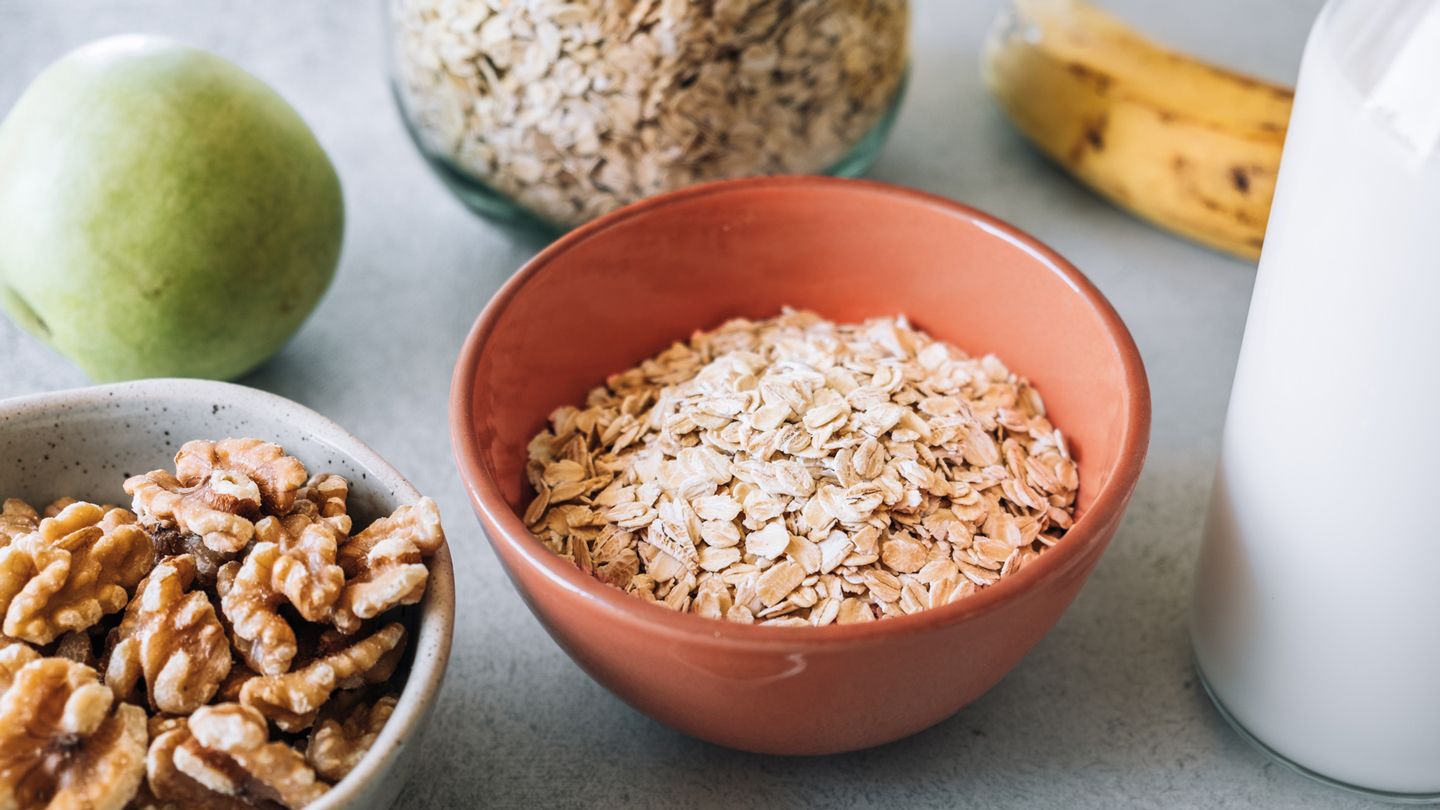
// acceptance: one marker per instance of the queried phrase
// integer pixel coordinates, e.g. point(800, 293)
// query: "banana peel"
point(1192, 147)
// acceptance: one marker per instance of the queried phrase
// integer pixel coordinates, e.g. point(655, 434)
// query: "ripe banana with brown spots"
point(1192, 147)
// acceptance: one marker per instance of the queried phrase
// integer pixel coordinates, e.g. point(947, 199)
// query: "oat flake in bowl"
point(797, 471)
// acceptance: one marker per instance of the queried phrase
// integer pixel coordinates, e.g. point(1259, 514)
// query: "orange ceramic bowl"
point(626, 286)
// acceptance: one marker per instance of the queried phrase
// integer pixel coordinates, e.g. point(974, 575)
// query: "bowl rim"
point(435, 631)
point(1054, 563)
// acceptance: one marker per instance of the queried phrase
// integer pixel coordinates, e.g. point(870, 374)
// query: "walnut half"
point(172, 637)
point(71, 571)
point(385, 564)
point(263, 637)
point(291, 701)
point(292, 561)
point(324, 497)
point(305, 573)
point(63, 744)
point(14, 655)
point(171, 542)
point(222, 757)
point(276, 476)
point(16, 518)
point(215, 509)
point(217, 488)
point(338, 742)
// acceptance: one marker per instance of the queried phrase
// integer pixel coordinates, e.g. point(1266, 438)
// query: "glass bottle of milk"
point(1316, 619)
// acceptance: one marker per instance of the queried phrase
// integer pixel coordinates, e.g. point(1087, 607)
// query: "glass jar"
point(552, 112)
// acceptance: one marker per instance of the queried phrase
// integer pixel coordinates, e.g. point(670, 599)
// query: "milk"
point(1316, 619)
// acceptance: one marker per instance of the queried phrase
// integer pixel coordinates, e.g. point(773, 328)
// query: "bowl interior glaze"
point(609, 296)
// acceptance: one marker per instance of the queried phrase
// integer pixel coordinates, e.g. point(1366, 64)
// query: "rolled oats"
point(796, 471)
point(573, 108)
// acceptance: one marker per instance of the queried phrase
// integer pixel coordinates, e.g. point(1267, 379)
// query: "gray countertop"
point(1105, 712)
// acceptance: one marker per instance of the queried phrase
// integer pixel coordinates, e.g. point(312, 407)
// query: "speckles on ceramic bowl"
point(86, 442)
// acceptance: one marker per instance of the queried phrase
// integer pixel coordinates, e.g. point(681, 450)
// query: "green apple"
point(162, 212)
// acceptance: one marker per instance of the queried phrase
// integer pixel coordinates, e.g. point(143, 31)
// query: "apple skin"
point(162, 213)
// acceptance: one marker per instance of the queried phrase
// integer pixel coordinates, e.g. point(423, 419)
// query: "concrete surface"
point(1104, 713)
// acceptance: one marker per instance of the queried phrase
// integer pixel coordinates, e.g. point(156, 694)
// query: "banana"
point(1189, 146)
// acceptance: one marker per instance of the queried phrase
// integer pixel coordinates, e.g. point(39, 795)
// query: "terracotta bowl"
point(624, 287)
point(85, 442)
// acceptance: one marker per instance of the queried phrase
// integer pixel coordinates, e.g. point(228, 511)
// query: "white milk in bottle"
point(1316, 618)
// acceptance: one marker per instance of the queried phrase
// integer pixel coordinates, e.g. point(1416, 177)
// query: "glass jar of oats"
point(552, 112)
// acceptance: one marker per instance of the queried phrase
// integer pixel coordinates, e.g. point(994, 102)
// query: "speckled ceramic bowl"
point(625, 286)
point(85, 443)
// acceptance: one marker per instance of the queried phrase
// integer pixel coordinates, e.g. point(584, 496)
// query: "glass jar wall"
point(557, 111)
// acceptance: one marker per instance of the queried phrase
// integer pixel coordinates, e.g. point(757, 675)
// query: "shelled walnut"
point(262, 636)
point(325, 497)
point(291, 701)
point(214, 509)
point(224, 752)
point(16, 518)
point(171, 637)
point(217, 487)
point(78, 646)
point(385, 564)
point(337, 742)
point(63, 741)
point(14, 655)
point(169, 787)
point(221, 609)
point(172, 542)
point(305, 572)
point(69, 572)
point(276, 476)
